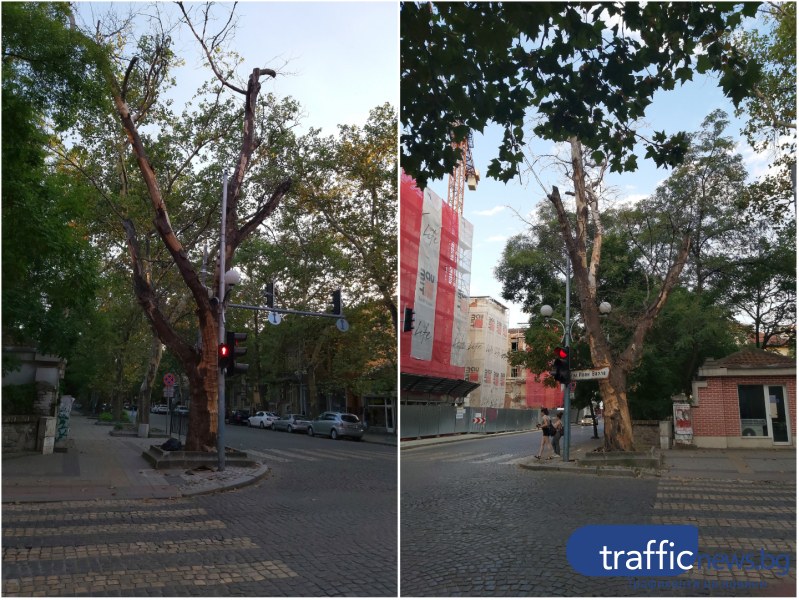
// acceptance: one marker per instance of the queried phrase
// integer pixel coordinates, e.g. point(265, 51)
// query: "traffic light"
point(336, 296)
point(234, 350)
point(270, 294)
point(407, 320)
point(224, 356)
point(560, 366)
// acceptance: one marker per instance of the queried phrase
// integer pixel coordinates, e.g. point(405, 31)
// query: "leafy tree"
point(49, 265)
point(771, 109)
point(760, 281)
point(771, 112)
point(336, 230)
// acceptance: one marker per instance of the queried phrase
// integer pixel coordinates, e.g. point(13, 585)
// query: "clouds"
point(489, 212)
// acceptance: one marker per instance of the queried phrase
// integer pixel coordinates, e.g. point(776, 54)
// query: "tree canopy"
point(590, 70)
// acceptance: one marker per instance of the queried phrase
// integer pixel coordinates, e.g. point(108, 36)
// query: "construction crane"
point(463, 173)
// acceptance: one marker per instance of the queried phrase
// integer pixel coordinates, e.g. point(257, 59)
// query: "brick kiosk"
point(745, 400)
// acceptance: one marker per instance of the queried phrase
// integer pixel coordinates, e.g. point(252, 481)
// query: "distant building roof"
point(490, 299)
point(750, 360)
point(752, 357)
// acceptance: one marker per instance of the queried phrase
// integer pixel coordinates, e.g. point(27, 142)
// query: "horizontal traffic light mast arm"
point(287, 311)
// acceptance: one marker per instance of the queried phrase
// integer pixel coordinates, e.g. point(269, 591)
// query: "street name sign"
point(590, 374)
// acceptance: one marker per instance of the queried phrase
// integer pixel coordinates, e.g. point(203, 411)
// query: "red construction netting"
point(411, 206)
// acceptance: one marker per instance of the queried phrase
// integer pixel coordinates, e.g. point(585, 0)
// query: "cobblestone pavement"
point(479, 525)
point(310, 528)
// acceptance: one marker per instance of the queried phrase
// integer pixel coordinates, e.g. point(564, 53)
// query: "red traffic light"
point(224, 350)
point(562, 353)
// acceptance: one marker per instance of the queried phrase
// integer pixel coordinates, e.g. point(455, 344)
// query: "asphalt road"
point(474, 523)
point(323, 523)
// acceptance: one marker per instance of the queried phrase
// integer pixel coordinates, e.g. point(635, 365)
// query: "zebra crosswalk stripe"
point(494, 458)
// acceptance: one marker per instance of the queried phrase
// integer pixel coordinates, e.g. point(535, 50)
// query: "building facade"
point(487, 355)
point(521, 388)
point(745, 400)
point(435, 267)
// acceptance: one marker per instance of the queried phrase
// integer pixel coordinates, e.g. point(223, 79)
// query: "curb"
point(243, 482)
point(636, 472)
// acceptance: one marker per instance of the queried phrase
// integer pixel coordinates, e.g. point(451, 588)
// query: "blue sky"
point(489, 207)
point(339, 59)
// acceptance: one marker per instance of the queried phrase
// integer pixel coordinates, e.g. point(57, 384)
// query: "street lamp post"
point(568, 324)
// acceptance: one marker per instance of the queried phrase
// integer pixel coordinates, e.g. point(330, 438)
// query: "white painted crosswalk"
point(304, 455)
point(450, 456)
point(746, 530)
point(52, 549)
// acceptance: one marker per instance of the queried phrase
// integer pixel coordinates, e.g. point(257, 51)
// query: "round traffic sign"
point(169, 380)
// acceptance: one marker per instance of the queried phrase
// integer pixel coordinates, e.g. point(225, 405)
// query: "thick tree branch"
point(149, 301)
point(161, 220)
point(262, 213)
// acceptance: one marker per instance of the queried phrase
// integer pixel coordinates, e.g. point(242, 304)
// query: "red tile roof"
point(752, 358)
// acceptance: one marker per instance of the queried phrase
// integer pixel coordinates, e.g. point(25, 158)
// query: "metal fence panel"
point(442, 419)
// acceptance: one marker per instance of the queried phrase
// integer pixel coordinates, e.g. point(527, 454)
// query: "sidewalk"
point(778, 464)
point(99, 466)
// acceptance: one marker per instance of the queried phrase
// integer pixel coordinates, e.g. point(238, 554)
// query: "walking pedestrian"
point(557, 423)
point(546, 434)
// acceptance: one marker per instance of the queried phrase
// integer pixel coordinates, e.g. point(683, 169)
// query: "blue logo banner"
point(633, 550)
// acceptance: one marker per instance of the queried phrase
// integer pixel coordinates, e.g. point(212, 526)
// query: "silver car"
point(336, 425)
point(291, 423)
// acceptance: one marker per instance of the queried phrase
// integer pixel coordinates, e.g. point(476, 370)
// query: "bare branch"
point(206, 49)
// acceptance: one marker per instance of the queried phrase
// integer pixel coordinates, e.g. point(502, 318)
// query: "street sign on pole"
point(169, 380)
point(590, 374)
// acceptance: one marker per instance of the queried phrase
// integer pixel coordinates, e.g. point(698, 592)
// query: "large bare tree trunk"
point(618, 424)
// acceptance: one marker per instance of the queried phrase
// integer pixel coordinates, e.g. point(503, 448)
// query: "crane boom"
point(463, 173)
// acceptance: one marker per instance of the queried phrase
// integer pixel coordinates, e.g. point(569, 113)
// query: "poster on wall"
point(682, 420)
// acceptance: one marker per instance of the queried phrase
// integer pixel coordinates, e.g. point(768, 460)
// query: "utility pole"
point(220, 426)
point(567, 343)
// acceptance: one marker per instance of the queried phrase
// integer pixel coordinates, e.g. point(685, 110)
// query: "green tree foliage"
point(590, 70)
point(49, 265)
point(336, 230)
point(771, 112)
point(760, 282)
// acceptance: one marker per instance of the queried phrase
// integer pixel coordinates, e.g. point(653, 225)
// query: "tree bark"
point(200, 366)
point(146, 388)
point(618, 424)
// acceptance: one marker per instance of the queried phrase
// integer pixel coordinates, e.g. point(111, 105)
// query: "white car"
point(262, 419)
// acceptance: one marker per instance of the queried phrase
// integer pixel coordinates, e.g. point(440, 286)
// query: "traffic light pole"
point(567, 343)
point(220, 419)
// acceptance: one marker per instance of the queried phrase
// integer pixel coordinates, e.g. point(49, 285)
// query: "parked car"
point(336, 425)
point(291, 423)
point(262, 419)
point(159, 409)
point(181, 410)
point(240, 417)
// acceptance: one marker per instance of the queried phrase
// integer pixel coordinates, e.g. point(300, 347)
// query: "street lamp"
point(232, 277)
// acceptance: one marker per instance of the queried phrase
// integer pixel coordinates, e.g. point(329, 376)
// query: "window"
point(752, 408)
point(514, 372)
point(514, 345)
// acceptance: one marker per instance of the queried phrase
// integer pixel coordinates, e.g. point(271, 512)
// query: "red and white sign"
point(479, 420)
